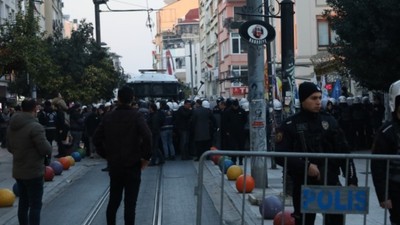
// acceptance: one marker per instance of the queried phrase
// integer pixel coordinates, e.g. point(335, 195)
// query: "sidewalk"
point(251, 212)
point(8, 215)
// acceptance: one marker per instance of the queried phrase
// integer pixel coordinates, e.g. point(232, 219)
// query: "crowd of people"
point(186, 129)
point(190, 127)
point(358, 117)
point(167, 128)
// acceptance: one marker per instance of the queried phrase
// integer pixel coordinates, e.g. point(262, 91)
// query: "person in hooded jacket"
point(26, 141)
point(387, 141)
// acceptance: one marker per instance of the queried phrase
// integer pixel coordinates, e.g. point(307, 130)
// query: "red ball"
point(240, 183)
point(287, 218)
point(48, 174)
point(215, 159)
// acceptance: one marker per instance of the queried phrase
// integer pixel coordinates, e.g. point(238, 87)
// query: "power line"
point(128, 3)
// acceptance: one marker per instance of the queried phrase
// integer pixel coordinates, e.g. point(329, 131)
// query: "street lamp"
point(189, 38)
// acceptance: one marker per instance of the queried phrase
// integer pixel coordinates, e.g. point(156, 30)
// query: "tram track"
point(93, 213)
point(158, 200)
point(158, 203)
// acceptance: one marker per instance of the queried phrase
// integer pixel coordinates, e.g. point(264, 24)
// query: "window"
point(237, 11)
point(240, 71)
point(326, 36)
point(180, 62)
point(239, 46)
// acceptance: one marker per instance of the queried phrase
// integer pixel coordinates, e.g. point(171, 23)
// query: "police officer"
point(387, 141)
point(313, 131)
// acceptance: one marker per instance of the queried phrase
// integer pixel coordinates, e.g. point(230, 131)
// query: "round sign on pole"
point(257, 32)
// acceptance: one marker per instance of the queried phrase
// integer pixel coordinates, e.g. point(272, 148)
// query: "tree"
point(368, 43)
point(23, 52)
point(77, 67)
point(86, 70)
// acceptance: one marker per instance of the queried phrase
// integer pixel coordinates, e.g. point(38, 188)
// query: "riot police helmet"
point(365, 100)
point(342, 99)
point(357, 100)
point(350, 100)
point(277, 104)
point(394, 96)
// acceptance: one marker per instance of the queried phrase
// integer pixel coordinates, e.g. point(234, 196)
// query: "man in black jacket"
point(182, 124)
point(124, 139)
point(235, 118)
point(313, 131)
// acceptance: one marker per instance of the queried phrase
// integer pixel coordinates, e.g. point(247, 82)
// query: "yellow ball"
point(234, 172)
point(7, 198)
point(71, 160)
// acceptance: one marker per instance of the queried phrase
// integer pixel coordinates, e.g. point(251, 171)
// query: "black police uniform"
point(387, 141)
point(313, 133)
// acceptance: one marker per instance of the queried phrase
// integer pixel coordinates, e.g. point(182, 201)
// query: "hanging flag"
point(209, 65)
point(323, 87)
point(336, 89)
point(170, 62)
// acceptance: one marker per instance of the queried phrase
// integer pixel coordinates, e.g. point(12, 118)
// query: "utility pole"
point(288, 77)
point(270, 87)
point(97, 18)
point(191, 70)
point(257, 112)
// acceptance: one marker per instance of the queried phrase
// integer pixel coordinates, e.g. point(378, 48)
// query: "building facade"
point(224, 52)
point(177, 44)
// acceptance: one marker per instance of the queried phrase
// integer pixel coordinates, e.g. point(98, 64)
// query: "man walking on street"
point(26, 141)
point(124, 139)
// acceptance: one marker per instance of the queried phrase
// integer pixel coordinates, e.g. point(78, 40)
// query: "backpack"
point(47, 119)
point(50, 119)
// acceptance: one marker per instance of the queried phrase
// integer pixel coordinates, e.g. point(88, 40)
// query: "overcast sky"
point(125, 33)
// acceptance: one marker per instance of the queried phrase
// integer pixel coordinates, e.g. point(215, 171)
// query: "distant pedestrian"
point(378, 114)
point(48, 117)
point(124, 139)
point(204, 123)
point(387, 141)
point(182, 124)
point(155, 121)
point(26, 141)
point(5, 119)
point(236, 119)
point(90, 124)
point(76, 125)
point(167, 131)
point(62, 126)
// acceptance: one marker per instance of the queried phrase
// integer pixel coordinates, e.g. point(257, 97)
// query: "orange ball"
point(240, 184)
point(65, 162)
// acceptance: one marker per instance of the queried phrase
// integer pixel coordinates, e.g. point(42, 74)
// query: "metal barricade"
point(366, 212)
